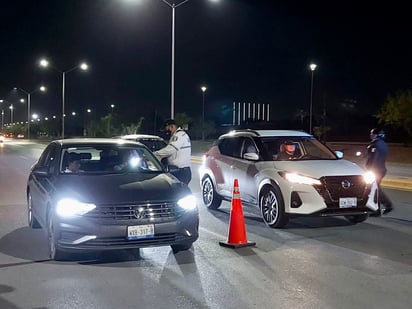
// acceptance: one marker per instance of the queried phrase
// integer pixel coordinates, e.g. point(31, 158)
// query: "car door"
point(229, 148)
point(41, 181)
point(245, 170)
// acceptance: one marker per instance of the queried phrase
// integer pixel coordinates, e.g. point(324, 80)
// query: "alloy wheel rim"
point(270, 207)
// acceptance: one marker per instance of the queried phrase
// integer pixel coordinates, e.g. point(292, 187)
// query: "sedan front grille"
point(122, 212)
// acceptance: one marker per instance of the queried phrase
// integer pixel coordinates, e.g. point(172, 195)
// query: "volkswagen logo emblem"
point(139, 213)
point(346, 184)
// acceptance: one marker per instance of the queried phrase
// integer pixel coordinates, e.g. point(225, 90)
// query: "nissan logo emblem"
point(346, 184)
point(139, 213)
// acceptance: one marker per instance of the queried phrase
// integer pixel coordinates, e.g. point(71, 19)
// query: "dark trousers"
point(384, 201)
point(183, 174)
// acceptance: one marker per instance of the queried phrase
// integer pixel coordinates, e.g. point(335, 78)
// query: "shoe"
point(387, 210)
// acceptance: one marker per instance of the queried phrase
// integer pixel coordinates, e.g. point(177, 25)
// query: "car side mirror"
point(339, 154)
point(251, 156)
point(40, 171)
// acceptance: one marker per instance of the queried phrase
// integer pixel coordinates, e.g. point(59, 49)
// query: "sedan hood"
point(319, 168)
point(125, 188)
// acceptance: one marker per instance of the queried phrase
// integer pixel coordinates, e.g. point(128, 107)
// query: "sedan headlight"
point(296, 178)
point(369, 177)
point(187, 203)
point(70, 207)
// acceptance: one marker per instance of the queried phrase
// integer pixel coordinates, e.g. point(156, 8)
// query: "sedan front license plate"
point(347, 202)
point(140, 231)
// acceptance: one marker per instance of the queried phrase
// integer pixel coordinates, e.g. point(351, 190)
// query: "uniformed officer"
point(177, 152)
point(377, 152)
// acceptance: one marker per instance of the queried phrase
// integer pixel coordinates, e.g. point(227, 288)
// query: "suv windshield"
point(282, 148)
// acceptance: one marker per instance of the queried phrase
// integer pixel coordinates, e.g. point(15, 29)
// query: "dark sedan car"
point(119, 198)
point(153, 142)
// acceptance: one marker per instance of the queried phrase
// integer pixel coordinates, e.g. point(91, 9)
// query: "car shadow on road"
point(252, 216)
point(30, 245)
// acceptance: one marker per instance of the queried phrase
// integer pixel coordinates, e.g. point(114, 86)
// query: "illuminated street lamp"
point(11, 113)
point(28, 93)
point(83, 66)
point(312, 67)
point(172, 91)
point(203, 112)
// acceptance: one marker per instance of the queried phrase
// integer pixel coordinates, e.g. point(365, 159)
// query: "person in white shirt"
point(177, 152)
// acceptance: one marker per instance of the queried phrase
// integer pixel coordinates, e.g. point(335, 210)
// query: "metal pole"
point(2, 119)
point(28, 115)
point(310, 110)
point(203, 117)
point(172, 91)
point(63, 86)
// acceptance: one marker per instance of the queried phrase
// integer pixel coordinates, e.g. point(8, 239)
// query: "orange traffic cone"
point(237, 230)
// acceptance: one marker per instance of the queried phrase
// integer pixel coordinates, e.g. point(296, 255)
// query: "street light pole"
point(203, 112)
point(83, 66)
point(172, 90)
point(312, 67)
point(11, 114)
point(41, 88)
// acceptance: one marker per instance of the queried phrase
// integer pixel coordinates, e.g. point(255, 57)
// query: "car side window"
point(231, 147)
point(48, 158)
point(249, 146)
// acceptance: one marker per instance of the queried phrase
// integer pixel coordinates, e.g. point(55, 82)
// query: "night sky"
point(242, 50)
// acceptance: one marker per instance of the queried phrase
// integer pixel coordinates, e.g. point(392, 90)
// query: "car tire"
point(54, 252)
point(210, 197)
point(32, 221)
point(272, 207)
point(357, 218)
point(178, 248)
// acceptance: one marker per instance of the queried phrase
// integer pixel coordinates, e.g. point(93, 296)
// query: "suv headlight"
point(296, 178)
point(71, 207)
point(369, 177)
point(187, 203)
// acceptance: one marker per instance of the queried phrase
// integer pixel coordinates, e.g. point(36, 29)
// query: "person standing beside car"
point(377, 152)
point(177, 152)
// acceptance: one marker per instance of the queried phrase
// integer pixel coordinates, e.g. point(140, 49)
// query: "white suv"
point(312, 181)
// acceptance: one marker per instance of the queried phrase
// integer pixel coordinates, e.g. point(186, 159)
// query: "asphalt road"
point(313, 263)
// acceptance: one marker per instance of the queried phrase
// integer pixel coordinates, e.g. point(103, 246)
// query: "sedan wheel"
point(177, 248)
point(272, 208)
point(54, 252)
point(32, 221)
point(210, 198)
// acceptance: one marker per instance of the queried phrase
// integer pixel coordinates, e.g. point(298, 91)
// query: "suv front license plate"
point(140, 231)
point(347, 202)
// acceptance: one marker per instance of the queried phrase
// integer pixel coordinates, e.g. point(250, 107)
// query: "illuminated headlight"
point(296, 178)
point(187, 203)
point(71, 207)
point(369, 177)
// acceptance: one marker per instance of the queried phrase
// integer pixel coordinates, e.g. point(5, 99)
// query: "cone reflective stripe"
point(237, 230)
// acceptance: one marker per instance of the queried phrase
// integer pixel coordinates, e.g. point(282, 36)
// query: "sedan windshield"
point(108, 159)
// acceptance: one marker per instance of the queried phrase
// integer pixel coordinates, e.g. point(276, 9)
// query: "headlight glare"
point(187, 203)
point(71, 207)
point(369, 177)
point(296, 178)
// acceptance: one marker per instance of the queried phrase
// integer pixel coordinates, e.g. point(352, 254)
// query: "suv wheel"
point(272, 207)
point(210, 198)
point(357, 218)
